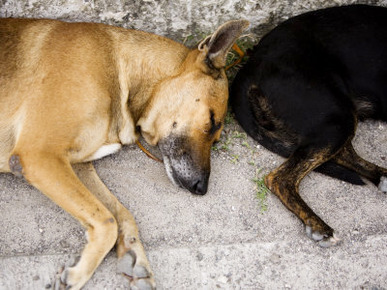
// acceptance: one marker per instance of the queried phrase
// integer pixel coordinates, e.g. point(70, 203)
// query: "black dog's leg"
point(284, 182)
point(348, 158)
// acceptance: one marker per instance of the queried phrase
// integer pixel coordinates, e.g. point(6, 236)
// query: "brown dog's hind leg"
point(54, 176)
point(284, 182)
point(348, 158)
point(132, 262)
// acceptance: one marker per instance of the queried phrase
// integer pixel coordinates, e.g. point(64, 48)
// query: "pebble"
point(64, 244)
point(275, 258)
point(223, 279)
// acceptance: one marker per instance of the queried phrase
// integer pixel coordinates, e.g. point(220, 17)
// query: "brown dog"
point(75, 92)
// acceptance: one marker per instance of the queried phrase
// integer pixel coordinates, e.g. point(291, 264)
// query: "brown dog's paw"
point(58, 284)
point(68, 277)
point(324, 240)
point(72, 279)
point(139, 276)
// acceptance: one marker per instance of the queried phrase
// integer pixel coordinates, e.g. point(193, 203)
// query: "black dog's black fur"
point(304, 88)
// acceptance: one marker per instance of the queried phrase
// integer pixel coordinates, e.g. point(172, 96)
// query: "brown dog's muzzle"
point(186, 166)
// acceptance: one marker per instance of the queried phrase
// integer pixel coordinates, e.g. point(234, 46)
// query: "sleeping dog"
point(76, 92)
point(301, 94)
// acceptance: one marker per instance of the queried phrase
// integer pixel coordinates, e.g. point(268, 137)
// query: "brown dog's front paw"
point(69, 276)
point(140, 277)
point(58, 284)
point(67, 280)
point(325, 239)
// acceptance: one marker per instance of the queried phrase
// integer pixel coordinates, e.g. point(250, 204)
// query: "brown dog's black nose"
point(200, 186)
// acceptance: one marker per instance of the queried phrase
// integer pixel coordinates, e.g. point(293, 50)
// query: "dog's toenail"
point(140, 272)
point(144, 285)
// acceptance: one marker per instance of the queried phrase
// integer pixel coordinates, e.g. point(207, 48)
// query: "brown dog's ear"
point(217, 45)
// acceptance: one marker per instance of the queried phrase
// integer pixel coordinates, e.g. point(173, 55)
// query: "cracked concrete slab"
point(220, 240)
point(224, 239)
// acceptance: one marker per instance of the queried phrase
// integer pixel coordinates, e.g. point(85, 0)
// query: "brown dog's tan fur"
point(75, 92)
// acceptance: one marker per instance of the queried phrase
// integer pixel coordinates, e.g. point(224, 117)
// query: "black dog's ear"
point(217, 45)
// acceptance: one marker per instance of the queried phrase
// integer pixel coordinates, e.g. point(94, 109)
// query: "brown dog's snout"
point(186, 175)
point(185, 167)
point(200, 185)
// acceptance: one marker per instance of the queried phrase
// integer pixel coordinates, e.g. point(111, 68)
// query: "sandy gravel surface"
point(223, 240)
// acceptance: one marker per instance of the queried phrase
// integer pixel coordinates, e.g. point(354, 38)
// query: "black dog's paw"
point(324, 240)
point(383, 184)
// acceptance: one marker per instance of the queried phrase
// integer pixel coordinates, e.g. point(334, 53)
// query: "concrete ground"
point(223, 240)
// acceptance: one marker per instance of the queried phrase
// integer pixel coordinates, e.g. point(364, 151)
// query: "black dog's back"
point(322, 67)
point(349, 42)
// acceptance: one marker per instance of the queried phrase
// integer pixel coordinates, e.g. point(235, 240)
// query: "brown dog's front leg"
point(54, 176)
point(284, 183)
point(133, 262)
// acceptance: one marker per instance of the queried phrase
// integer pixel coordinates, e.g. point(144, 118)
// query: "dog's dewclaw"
point(383, 184)
point(324, 241)
point(15, 165)
point(139, 276)
point(329, 242)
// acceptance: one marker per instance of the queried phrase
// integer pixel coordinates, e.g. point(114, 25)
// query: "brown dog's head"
point(185, 115)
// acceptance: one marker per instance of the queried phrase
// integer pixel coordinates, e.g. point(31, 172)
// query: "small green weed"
point(235, 158)
point(226, 145)
point(245, 144)
point(228, 120)
point(239, 135)
point(193, 40)
point(261, 190)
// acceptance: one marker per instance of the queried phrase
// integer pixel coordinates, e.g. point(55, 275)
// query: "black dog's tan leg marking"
point(133, 262)
point(284, 182)
point(54, 176)
point(348, 158)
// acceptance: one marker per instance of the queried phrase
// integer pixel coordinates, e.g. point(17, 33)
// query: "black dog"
point(302, 92)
